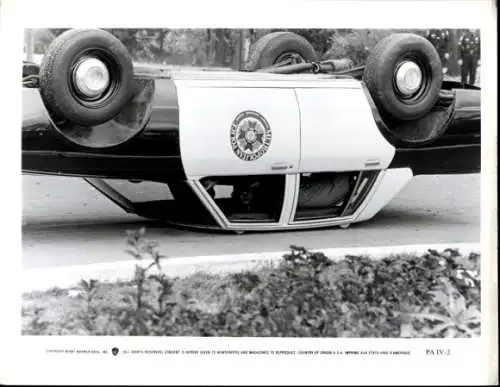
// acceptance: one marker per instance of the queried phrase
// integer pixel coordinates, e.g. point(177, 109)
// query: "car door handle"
point(280, 166)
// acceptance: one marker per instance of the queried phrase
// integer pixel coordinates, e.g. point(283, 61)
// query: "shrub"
point(436, 294)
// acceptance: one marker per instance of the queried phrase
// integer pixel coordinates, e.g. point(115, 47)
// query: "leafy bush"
point(436, 294)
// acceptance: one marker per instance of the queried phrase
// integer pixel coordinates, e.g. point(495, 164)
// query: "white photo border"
point(25, 359)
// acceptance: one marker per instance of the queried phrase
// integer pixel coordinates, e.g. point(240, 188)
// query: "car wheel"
point(86, 77)
point(280, 48)
point(403, 74)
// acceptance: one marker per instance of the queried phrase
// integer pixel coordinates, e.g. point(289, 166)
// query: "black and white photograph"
point(214, 197)
point(246, 135)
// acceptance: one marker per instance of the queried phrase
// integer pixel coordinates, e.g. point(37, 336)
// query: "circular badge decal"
point(250, 135)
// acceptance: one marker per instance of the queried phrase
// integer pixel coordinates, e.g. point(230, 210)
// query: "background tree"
point(319, 38)
point(230, 47)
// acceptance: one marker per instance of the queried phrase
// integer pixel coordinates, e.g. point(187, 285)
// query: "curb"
point(69, 276)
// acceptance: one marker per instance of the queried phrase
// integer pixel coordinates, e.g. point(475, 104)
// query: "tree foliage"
point(320, 38)
point(223, 47)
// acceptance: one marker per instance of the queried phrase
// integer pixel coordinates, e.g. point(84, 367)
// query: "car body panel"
point(390, 183)
point(338, 131)
point(245, 79)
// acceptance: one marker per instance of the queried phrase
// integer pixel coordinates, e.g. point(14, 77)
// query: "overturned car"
point(290, 142)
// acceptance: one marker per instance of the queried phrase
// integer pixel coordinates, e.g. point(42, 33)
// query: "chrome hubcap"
point(91, 77)
point(408, 78)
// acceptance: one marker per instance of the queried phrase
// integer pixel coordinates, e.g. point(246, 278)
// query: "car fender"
point(390, 183)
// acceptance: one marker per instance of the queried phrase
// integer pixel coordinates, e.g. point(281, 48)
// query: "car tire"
point(379, 75)
point(57, 90)
point(268, 50)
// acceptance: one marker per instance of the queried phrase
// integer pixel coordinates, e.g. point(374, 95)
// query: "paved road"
point(65, 221)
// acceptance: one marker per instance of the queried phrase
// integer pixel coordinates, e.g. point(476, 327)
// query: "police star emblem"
point(250, 135)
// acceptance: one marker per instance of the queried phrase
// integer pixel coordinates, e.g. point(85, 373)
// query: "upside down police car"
point(289, 142)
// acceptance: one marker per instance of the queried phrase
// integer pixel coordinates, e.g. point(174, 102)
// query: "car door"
point(340, 146)
point(338, 130)
point(231, 127)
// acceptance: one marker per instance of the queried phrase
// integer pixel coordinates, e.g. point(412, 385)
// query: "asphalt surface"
point(67, 222)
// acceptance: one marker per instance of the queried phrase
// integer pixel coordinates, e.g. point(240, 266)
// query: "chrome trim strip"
point(369, 195)
point(351, 197)
point(288, 199)
point(112, 194)
point(207, 201)
point(295, 200)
